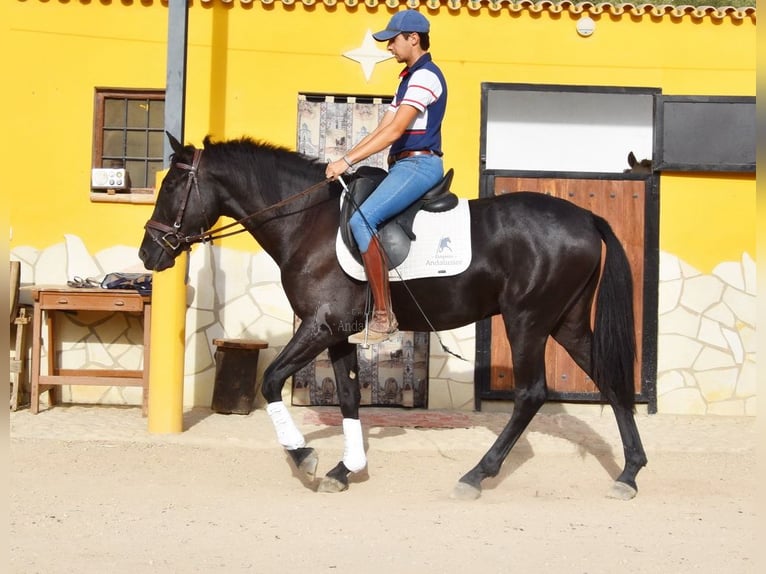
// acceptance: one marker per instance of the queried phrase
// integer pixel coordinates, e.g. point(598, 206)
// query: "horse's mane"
point(251, 161)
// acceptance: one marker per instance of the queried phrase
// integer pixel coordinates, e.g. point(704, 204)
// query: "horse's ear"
point(632, 159)
point(174, 143)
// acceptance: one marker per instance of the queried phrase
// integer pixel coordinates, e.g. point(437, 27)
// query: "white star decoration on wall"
point(368, 54)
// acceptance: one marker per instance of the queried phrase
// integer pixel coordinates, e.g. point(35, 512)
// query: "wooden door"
point(621, 203)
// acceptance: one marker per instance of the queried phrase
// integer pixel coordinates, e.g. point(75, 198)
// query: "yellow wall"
point(708, 221)
point(247, 62)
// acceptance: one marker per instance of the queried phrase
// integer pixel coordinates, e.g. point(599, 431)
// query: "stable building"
point(543, 96)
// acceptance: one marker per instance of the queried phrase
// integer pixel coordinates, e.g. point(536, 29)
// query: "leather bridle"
point(172, 241)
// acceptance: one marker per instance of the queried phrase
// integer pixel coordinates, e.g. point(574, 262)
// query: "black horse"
point(536, 261)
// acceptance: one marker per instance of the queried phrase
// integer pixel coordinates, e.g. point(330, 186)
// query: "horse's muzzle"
point(169, 239)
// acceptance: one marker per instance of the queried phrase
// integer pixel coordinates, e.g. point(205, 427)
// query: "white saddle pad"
point(442, 247)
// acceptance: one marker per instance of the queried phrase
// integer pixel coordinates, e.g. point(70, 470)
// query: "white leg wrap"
point(287, 433)
point(353, 445)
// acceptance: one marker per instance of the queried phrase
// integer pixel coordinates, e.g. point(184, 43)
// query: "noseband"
point(171, 240)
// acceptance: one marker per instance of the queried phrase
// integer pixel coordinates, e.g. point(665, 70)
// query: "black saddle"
point(395, 234)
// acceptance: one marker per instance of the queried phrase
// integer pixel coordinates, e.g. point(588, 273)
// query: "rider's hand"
point(336, 168)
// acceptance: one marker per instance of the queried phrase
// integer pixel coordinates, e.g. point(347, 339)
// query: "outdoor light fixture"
point(586, 26)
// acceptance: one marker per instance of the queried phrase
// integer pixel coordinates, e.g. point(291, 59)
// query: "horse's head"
point(636, 166)
point(182, 210)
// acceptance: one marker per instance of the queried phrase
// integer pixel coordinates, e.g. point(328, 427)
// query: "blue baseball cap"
point(404, 21)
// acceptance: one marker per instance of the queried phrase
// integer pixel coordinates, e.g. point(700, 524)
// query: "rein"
point(172, 240)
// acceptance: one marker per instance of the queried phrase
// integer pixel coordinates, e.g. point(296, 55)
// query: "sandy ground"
point(92, 492)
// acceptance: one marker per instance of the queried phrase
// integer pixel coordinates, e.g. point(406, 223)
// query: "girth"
point(395, 234)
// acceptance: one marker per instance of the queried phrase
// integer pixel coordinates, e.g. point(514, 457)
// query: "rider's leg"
point(383, 320)
point(406, 182)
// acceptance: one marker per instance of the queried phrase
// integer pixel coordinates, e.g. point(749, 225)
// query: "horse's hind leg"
point(344, 362)
point(528, 353)
point(575, 336)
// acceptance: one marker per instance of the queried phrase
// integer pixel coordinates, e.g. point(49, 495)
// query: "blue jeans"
point(407, 181)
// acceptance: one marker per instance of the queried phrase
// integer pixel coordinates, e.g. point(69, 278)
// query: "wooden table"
point(49, 300)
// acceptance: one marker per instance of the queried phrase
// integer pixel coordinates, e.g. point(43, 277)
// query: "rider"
point(412, 127)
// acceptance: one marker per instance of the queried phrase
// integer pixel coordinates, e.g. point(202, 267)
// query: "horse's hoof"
point(464, 491)
point(306, 460)
point(622, 491)
point(329, 484)
point(309, 465)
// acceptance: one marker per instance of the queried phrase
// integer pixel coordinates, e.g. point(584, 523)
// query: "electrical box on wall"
point(109, 178)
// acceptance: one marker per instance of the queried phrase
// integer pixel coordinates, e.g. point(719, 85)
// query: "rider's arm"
point(391, 127)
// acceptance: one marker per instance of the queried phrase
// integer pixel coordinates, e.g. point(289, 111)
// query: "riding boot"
point(383, 321)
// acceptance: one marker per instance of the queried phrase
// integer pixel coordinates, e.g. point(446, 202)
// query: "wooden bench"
point(236, 368)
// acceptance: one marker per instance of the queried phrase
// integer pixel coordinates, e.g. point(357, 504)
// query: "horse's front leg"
point(305, 345)
point(345, 365)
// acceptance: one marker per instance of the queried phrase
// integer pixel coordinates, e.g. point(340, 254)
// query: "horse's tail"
point(613, 352)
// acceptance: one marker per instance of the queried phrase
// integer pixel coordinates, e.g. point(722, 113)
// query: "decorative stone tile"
point(461, 395)
point(689, 380)
point(676, 352)
point(748, 338)
point(199, 319)
point(741, 304)
point(202, 279)
point(51, 266)
point(439, 396)
point(264, 270)
point(750, 274)
point(680, 321)
point(274, 331)
point(689, 271)
point(458, 370)
point(670, 381)
point(70, 335)
point(669, 295)
point(27, 255)
point(98, 354)
point(79, 261)
point(686, 401)
point(111, 327)
point(436, 364)
point(231, 275)
point(131, 358)
point(238, 313)
point(701, 292)
point(717, 384)
point(465, 333)
point(199, 355)
point(710, 358)
point(710, 333)
point(721, 313)
point(730, 272)
point(119, 258)
point(735, 345)
point(670, 267)
point(74, 358)
point(272, 301)
point(747, 385)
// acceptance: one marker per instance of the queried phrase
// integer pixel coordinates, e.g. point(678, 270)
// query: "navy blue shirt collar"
point(422, 61)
